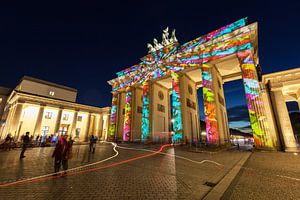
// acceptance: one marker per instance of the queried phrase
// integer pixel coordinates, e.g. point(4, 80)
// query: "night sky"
point(82, 44)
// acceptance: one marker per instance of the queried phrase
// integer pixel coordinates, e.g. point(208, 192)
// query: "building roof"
point(5, 91)
point(29, 78)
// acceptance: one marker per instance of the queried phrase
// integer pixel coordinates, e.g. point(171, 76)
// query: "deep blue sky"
point(82, 44)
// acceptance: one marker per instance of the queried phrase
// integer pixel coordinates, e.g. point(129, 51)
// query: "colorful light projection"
point(217, 44)
point(127, 117)
point(145, 112)
point(228, 40)
point(176, 109)
point(258, 122)
point(212, 134)
point(113, 116)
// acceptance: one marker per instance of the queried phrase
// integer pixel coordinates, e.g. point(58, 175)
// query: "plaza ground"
point(145, 175)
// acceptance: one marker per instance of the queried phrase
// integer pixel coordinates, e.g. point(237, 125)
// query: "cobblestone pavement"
point(156, 177)
point(267, 175)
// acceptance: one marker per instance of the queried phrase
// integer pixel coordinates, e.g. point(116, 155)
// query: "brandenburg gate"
point(157, 98)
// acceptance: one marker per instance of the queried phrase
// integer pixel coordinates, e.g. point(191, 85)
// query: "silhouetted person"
point(61, 153)
point(93, 140)
point(26, 141)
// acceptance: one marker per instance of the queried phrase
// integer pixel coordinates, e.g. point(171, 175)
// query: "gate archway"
point(170, 60)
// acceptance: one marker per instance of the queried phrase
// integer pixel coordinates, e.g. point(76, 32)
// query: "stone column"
point(145, 112)
point(210, 105)
point(58, 120)
point(16, 119)
point(100, 125)
point(88, 127)
point(257, 113)
point(113, 117)
point(37, 127)
point(105, 125)
point(176, 109)
point(74, 122)
point(92, 126)
point(7, 122)
point(128, 115)
point(283, 120)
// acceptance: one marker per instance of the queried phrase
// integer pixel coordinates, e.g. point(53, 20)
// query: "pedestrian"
point(7, 142)
point(93, 141)
point(26, 142)
point(61, 153)
point(37, 140)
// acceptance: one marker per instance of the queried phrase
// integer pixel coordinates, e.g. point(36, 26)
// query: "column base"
point(292, 149)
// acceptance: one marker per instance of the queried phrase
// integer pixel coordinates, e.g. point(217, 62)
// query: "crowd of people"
point(63, 147)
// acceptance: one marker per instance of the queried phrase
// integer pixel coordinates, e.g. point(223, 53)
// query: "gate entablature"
point(174, 58)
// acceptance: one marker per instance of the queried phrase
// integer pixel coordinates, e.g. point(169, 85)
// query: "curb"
point(218, 191)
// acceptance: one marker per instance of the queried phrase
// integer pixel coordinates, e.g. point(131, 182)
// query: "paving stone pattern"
point(267, 175)
point(155, 177)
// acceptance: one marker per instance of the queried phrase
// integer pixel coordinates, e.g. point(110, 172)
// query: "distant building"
point(45, 108)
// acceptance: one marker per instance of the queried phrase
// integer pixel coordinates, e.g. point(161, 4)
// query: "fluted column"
point(58, 120)
point(74, 122)
point(37, 127)
point(128, 115)
point(16, 119)
point(113, 117)
point(176, 109)
point(283, 120)
point(210, 107)
point(88, 127)
point(100, 125)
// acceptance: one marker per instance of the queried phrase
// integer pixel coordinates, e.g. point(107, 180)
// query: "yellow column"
point(16, 119)
point(7, 121)
point(100, 125)
point(283, 120)
point(88, 127)
point(74, 122)
point(38, 124)
point(58, 120)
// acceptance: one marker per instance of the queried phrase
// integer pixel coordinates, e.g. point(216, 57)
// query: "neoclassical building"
point(156, 99)
point(277, 89)
point(45, 108)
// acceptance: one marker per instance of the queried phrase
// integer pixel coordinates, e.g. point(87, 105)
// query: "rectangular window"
point(190, 103)
point(79, 118)
point(161, 108)
point(63, 130)
point(45, 130)
point(139, 109)
point(48, 115)
point(77, 132)
point(66, 117)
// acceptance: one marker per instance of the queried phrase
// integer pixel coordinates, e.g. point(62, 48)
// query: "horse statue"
point(173, 37)
point(157, 45)
point(165, 37)
point(150, 48)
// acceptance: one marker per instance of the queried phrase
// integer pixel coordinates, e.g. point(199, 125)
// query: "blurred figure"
point(93, 141)
point(61, 153)
point(37, 140)
point(26, 141)
point(7, 142)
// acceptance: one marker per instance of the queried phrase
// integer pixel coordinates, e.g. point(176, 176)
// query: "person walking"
point(37, 140)
point(26, 141)
point(61, 153)
point(93, 141)
point(7, 142)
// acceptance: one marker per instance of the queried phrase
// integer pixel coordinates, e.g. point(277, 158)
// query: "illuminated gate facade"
point(157, 98)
